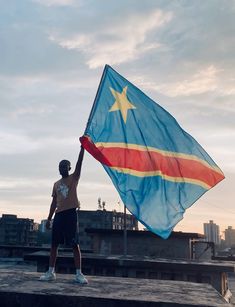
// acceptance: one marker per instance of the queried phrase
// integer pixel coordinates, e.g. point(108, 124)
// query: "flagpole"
point(125, 234)
point(96, 96)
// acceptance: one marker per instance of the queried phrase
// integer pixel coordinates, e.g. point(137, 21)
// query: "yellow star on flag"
point(121, 103)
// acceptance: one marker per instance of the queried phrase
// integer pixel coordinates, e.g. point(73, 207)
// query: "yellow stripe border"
point(162, 152)
point(159, 173)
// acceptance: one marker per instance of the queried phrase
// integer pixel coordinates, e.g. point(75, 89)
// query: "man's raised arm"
point(78, 167)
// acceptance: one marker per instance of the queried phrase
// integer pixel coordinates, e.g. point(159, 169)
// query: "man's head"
point(64, 168)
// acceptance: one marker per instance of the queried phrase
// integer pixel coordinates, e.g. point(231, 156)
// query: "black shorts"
point(65, 228)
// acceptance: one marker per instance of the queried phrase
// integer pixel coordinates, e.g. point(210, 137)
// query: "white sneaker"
point(48, 276)
point(81, 279)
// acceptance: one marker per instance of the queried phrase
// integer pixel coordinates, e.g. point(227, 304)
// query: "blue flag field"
point(158, 169)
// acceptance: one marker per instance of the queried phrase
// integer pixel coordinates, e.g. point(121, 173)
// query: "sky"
point(52, 54)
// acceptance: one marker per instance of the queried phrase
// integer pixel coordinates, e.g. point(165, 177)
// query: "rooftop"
point(174, 234)
point(20, 286)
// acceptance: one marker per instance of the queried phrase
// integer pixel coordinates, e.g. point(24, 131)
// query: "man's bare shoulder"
point(70, 178)
point(57, 182)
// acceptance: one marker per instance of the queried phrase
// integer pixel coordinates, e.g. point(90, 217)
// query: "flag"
point(158, 169)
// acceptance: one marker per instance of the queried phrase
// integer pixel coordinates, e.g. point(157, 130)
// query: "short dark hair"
point(67, 162)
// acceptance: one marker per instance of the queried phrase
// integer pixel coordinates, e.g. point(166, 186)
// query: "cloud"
point(94, 186)
point(16, 143)
point(122, 42)
point(29, 110)
point(55, 2)
point(201, 82)
point(21, 182)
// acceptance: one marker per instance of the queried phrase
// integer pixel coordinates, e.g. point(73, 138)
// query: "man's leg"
point(80, 278)
point(77, 257)
point(50, 274)
point(71, 238)
point(53, 255)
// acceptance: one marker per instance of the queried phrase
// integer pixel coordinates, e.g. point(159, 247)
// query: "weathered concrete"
point(23, 289)
point(212, 272)
point(130, 260)
point(18, 251)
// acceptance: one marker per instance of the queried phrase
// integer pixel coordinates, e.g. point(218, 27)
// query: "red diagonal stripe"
point(147, 161)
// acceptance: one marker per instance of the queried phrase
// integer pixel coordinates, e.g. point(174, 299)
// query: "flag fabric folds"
point(158, 169)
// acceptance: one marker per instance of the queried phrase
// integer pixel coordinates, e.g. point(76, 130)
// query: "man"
point(64, 230)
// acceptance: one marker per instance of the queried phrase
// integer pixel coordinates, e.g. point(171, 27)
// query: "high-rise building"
point(229, 235)
point(211, 232)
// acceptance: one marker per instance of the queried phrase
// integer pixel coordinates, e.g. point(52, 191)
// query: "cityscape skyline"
point(204, 230)
point(51, 61)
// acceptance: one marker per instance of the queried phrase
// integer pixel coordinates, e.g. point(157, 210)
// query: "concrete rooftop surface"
point(20, 287)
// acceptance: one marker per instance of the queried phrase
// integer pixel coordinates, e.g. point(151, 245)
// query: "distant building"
point(17, 231)
point(42, 226)
point(145, 243)
point(36, 226)
point(211, 232)
point(102, 219)
point(229, 236)
point(44, 234)
point(92, 219)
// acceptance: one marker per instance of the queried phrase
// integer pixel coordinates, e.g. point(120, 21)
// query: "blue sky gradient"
point(52, 53)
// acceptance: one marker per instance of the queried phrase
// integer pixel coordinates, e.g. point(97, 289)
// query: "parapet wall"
point(25, 290)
